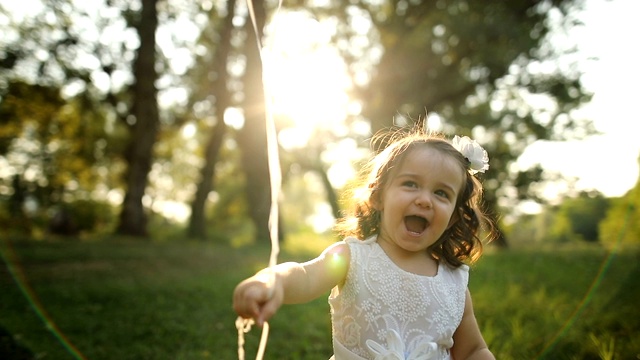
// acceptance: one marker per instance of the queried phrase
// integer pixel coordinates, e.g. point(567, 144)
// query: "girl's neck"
point(419, 263)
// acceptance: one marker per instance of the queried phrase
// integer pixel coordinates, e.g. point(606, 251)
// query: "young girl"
point(399, 280)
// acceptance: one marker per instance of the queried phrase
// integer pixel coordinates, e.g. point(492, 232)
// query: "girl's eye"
point(442, 193)
point(411, 184)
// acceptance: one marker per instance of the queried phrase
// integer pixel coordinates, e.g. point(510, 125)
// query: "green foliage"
point(561, 231)
point(172, 300)
point(66, 120)
point(583, 214)
point(55, 152)
point(89, 216)
point(574, 220)
point(27, 108)
point(621, 226)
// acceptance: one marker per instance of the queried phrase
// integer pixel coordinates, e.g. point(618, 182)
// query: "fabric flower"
point(470, 149)
point(351, 331)
point(396, 351)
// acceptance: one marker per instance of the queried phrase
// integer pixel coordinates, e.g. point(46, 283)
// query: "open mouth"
point(415, 224)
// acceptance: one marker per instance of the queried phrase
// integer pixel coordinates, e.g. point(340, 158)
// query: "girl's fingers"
point(249, 300)
point(271, 306)
point(267, 311)
point(244, 302)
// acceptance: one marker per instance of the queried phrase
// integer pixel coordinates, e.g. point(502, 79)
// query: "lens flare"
point(12, 262)
point(604, 266)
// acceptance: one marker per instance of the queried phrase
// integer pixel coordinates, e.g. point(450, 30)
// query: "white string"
point(275, 177)
point(244, 326)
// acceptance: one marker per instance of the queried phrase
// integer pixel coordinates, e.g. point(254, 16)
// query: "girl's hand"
point(257, 298)
point(260, 296)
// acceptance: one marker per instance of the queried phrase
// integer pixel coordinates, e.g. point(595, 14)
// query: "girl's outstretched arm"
point(294, 283)
point(468, 343)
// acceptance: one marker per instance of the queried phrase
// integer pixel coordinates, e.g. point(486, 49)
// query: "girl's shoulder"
point(458, 275)
point(462, 269)
point(355, 240)
point(359, 246)
point(337, 252)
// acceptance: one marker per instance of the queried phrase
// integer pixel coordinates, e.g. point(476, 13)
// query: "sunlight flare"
point(305, 77)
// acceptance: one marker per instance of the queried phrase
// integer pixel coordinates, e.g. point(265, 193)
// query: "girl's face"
point(418, 201)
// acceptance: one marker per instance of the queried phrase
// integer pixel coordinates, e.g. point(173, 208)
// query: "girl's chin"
point(412, 242)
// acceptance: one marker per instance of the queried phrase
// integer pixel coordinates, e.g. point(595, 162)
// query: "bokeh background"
point(135, 188)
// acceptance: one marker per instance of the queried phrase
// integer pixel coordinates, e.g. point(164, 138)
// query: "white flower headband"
point(473, 152)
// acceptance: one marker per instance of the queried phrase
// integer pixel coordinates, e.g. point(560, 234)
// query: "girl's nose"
point(424, 200)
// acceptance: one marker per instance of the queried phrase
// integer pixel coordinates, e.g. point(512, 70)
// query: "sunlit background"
point(308, 84)
point(607, 162)
point(553, 289)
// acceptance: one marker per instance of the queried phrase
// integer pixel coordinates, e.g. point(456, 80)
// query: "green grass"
point(558, 304)
point(172, 300)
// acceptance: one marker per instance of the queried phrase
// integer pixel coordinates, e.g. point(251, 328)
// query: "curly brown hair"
point(460, 243)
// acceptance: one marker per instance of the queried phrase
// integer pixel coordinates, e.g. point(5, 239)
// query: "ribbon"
point(275, 177)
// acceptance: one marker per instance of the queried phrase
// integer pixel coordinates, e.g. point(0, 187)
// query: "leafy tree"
point(55, 107)
point(86, 55)
point(216, 88)
point(49, 140)
point(578, 218)
point(139, 154)
point(476, 65)
point(560, 230)
point(252, 136)
point(479, 67)
point(213, 66)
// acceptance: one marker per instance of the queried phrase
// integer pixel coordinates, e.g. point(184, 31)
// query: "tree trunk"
point(197, 222)
point(252, 136)
point(139, 153)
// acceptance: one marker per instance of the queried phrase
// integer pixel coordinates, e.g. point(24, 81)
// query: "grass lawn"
point(122, 299)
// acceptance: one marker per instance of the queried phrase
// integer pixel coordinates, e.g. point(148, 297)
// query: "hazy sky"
point(608, 163)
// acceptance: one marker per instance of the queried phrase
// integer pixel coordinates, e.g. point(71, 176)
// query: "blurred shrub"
point(621, 226)
point(82, 216)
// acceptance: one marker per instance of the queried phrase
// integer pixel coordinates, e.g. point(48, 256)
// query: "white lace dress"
point(385, 313)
